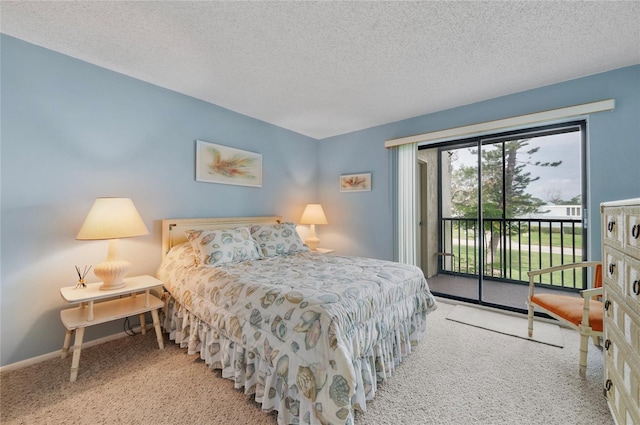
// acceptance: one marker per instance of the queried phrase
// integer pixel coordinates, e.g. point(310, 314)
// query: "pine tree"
point(505, 180)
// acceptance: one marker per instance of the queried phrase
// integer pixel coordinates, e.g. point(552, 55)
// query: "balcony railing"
point(512, 247)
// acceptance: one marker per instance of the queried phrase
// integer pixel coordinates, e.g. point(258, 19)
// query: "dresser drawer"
point(626, 362)
point(632, 231)
point(612, 226)
point(612, 389)
point(632, 282)
point(622, 325)
point(611, 308)
point(613, 270)
point(621, 389)
point(630, 383)
point(620, 403)
point(627, 324)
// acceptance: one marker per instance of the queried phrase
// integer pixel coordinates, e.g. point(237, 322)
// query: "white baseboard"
point(58, 353)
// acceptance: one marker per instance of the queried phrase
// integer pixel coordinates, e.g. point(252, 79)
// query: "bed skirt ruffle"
point(372, 362)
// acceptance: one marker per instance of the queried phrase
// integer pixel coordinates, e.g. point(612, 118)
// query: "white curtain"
point(408, 221)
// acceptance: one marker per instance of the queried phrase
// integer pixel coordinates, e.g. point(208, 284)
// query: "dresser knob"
point(607, 386)
point(607, 344)
point(636, 287)
point(612, 268)
point(607, 304)
point(635, 231)
point(610, 225)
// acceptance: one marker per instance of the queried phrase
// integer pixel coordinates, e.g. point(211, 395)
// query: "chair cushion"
point(570, 308)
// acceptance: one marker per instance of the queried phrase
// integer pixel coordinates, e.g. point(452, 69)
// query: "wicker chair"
point(581, 313)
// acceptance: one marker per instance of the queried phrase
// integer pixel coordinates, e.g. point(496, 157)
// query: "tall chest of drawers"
point(621, 273)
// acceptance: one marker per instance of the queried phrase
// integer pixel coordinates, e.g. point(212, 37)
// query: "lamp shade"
point(313, 214)
point(112, 218)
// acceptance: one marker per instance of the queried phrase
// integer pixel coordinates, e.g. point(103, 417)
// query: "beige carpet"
point(459, 374)
point(508, 324)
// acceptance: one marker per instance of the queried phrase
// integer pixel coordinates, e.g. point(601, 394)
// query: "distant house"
point(558, 212)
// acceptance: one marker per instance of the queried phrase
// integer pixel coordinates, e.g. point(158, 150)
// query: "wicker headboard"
point(173, 229)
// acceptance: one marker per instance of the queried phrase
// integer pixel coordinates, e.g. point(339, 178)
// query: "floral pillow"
point(215, 247)
point(278, 239)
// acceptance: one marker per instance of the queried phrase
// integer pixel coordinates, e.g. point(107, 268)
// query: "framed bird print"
point(222, 164)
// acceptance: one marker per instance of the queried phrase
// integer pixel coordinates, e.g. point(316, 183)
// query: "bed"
point(310, 335)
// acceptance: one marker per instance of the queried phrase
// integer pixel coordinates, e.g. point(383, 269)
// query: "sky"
point(563, 181)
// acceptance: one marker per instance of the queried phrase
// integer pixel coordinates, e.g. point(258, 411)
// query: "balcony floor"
point(505, 294)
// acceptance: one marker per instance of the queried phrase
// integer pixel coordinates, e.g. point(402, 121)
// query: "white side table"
point(96, 306)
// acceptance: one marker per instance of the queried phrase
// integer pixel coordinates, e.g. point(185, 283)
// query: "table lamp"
point(313, 214)
point(112, 219)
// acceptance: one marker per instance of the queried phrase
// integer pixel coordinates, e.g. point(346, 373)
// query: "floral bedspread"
point(310, 334)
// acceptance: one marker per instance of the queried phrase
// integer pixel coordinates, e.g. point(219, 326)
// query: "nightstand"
point(97, 306)
point(325, 250)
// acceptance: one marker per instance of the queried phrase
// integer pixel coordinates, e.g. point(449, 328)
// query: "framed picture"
point(355, 182)
point(225, 165)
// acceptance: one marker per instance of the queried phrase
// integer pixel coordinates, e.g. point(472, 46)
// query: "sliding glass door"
point(510, 203)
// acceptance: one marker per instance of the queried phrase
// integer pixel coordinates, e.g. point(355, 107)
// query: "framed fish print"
point(355, 182)
point(222, 164)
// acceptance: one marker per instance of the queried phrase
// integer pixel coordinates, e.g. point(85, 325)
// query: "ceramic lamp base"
point(312, 243)
point(112, 274)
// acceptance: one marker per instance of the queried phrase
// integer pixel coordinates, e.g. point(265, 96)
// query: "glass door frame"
point(479, 142)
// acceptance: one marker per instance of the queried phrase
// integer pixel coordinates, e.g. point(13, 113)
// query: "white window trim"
point(501, 124)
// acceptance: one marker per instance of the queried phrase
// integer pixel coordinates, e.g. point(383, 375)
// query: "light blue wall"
point(71, 132)
point(362, 223)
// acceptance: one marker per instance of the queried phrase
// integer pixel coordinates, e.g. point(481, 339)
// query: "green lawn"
point(556, 241)
point(555, 238)
point(518, 265)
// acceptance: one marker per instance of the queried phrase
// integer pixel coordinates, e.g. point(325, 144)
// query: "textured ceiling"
point(328, 68)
